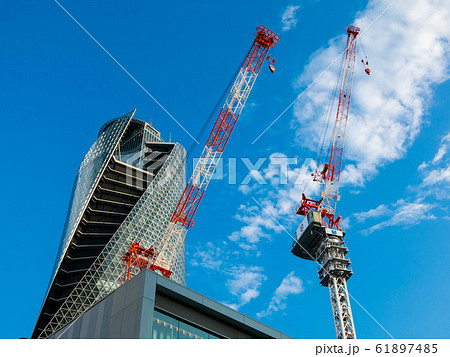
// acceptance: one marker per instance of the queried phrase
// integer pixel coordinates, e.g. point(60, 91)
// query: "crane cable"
point(207, 121)
point(326, 123)
point(364, 59)
point(213, 112)
point(328, 116)
point(360, 46)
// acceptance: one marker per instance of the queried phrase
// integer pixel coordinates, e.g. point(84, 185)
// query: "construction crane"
point(320, 236)
point(183, 217)
point(140, 258)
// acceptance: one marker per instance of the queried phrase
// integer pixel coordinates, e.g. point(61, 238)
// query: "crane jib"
point(223, 127)
point(235, 101)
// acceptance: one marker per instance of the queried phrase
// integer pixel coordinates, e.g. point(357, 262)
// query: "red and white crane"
point(331, 171)
point(320, 236)
point(183, 217)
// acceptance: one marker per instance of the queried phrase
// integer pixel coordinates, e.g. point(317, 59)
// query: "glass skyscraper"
point(126, 189)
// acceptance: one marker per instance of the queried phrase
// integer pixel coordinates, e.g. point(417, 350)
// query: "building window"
point(165, 327)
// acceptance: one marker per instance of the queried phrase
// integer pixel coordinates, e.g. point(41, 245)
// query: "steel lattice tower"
point(320, 236)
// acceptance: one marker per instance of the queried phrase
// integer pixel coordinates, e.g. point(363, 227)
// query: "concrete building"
point(151, 306)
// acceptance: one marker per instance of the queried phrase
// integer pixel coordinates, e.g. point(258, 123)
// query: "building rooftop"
point(151, 306)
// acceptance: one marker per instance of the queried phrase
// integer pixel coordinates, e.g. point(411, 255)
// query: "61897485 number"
point(406, 348)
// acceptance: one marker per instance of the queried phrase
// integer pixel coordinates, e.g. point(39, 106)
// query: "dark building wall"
point(128, 313)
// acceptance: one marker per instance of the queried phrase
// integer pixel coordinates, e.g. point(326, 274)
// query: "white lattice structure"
point(145, 186)
point(174, 236)
point(182, 219)
point(334, 271)
point(323, 240)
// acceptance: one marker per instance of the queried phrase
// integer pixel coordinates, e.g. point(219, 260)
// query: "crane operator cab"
point(310, 233)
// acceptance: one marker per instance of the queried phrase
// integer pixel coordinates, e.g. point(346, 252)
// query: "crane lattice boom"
point(330, 193)
point(320, 236)
point(331, 173)
point(184, 213)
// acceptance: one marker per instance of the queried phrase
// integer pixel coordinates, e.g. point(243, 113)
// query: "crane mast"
point(183, 216)
point(320, 236)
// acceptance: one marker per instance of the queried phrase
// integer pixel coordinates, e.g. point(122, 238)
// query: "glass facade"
point(132, 145)
point(167, 327)
point(87, 178)
point(123, 139)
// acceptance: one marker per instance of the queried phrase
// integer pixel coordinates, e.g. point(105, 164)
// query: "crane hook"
point(366, 66)
point(271, 66)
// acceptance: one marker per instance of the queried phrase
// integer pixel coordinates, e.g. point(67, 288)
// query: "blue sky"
point(60, 87)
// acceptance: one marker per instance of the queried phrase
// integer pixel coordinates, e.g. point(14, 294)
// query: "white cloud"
point(405, 214)
point(346, 223)
point(381, 210)
point(436, 173)
point(443, 149)
point(437, 176)
point(422, 166)
point(245, 284)
point(407, 56)
point(288, 18)
point(440, 154)
point(209, 257)
point(245, 189)
point(287, 180)
point(291, 285)
point(435, 182)
point(252, 231)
